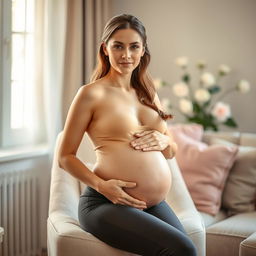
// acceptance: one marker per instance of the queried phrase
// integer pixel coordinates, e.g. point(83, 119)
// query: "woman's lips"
point(126, 63)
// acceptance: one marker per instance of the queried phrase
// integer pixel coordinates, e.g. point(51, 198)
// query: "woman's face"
point(124, 48)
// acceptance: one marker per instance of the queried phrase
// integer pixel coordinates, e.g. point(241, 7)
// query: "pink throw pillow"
point(204, 168)
point(192, 130)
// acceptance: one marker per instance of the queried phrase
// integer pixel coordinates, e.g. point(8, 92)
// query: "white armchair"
point(64, 235)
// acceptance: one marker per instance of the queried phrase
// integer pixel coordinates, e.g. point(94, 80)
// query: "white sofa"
point(235, 235)
point(64, 235)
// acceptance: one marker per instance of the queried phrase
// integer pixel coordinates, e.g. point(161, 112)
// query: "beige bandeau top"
point(119, 124)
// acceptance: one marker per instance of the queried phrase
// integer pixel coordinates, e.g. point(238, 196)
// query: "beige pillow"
point(239, 194)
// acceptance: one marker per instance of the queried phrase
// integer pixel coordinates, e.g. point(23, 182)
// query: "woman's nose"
point(126, 53)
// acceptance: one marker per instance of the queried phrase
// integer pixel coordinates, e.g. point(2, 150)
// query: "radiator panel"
point(19, 213)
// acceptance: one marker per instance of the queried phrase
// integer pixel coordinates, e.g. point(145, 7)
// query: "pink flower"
point(158, 83)
point(182, 61)
point(221, 111)
point(243, 86)
point(186, 106)
point(180, 89)
point(165, 102)
point(202, 95)
point(208, 79)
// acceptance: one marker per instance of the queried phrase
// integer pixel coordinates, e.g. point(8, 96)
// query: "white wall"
point(220, 32)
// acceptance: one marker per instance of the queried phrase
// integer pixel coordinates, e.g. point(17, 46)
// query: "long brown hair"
point(140, 79)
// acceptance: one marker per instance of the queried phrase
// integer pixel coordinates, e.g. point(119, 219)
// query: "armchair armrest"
point(64, 189)
point(248, 246)
point(182, 204)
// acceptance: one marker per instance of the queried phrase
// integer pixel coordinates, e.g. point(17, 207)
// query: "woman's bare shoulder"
point(94, 91)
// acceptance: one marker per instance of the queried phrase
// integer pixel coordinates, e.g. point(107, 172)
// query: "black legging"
point(153, 231)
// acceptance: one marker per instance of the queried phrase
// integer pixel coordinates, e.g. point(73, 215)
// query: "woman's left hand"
point(151, 140)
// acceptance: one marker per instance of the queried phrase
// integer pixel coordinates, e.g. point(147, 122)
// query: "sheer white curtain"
point(55, 16)
point(68, 37)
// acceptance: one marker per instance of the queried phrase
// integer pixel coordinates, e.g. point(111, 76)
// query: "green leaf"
point(196, 107)
point(214, 89)
point(186, 78)
point(206, 104)
point(206, 120)
point(230, 122)
point(164, 83)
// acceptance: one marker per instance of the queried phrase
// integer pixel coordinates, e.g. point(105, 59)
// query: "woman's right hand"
point(112, 189)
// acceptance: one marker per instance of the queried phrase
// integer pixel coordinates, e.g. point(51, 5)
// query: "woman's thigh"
point(164, 212)
point(133, 230)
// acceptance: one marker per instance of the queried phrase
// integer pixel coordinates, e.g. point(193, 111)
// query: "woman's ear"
point(104, 47)
point(143, 51)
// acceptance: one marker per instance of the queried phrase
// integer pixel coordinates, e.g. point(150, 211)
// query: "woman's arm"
point(171, 150)
point(79, 116)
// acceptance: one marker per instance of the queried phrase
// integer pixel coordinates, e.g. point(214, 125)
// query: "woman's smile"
point(126, 64)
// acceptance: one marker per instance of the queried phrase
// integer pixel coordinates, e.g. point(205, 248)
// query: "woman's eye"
point(117, 46)
point(133, 47)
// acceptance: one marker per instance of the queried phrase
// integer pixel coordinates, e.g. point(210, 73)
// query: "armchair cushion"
point(64, 235)
point(210, 220)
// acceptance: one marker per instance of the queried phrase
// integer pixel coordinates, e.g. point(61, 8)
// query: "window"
point(17, 64)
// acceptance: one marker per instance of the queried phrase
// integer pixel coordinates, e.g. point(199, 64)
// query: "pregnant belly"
point(149, 170)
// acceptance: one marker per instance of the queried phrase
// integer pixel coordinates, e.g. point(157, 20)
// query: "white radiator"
point(19, 213)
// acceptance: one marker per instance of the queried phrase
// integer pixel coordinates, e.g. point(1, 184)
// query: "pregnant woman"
point(124, 203)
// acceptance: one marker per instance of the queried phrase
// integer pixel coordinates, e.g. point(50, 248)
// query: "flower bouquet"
point(203, 105)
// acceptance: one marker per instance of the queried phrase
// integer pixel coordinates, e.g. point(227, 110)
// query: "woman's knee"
point(182, 247)
point(186, 248)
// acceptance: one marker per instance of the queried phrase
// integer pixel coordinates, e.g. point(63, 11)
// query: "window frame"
point(8, 137)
